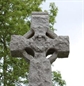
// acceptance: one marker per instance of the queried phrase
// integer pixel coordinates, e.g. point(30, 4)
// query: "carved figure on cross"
point(36, 45)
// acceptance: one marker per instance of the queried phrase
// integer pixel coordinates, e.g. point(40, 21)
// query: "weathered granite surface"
point(35, 45)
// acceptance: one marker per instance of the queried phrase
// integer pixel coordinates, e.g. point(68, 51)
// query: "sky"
point(70, 21)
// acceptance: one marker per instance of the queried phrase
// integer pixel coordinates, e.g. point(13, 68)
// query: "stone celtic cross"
point(36, 45)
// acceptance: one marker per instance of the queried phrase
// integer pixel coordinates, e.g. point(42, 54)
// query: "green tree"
point(15, 19)
point(57, 79)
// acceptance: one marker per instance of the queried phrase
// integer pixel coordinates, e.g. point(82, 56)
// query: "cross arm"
point(20, 47)
point(63, 46)
point(17, 45)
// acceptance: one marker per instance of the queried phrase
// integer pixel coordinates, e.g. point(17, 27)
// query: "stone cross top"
point(36, 45)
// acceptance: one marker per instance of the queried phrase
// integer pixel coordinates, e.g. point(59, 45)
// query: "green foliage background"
point(15, 16)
